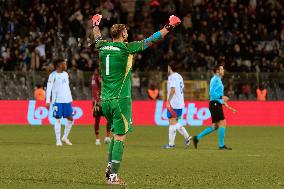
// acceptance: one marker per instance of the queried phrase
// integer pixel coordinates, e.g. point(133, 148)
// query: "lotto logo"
point(191, 115)
point(37, 114)
point(250, 113)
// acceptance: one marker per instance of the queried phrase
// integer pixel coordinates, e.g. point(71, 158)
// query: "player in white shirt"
point(58, 89)
point(175, 105)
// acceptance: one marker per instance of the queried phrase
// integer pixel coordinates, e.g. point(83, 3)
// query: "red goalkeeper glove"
point(96, 19)
point(173, 22)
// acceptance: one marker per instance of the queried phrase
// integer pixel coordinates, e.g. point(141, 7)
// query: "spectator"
point(261, 93)
point(39, 55)
point(153, 92)
point(39, 93)
point(135, 81)
point(230, 90)
point(240, 32)
point(246, 90)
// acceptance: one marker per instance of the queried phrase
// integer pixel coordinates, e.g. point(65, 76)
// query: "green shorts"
point(118, 112)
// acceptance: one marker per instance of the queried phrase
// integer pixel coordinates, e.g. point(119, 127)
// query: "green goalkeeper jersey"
point(116, 60)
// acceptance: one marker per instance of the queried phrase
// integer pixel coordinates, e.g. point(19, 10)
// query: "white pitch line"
point(254, 155)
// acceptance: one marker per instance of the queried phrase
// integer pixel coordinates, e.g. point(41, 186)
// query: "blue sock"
point(205, 132)
point(221, 132)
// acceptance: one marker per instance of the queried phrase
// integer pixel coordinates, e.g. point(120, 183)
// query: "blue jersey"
point(216, 89)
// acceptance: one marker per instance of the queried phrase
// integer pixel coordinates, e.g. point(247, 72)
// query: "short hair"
point(173, 66)
point(217, 67)
point(58, 61)
point(116, 30)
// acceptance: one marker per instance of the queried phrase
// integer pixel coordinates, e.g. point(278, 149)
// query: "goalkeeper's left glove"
point(96, 19)
point(173, 22)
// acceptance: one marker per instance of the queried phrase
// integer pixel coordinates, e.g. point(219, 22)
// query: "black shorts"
point(216, 111)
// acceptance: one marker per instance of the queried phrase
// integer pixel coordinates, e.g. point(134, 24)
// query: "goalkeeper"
point(116, 60)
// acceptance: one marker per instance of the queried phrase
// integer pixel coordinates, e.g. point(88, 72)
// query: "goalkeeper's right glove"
point(173, 22)
point(96, 19)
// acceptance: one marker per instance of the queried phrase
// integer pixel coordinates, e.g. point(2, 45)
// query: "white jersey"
point(58, 88)
point(175, 80)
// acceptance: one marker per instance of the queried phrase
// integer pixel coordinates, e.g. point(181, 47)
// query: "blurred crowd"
point(35, 32)
point(246, 35)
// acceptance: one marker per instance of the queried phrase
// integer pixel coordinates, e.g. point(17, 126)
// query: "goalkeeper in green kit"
point(116, 60)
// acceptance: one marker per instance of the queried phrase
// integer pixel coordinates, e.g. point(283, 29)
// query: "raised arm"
point(97, 33)
point(96, 19)
point(138, 46)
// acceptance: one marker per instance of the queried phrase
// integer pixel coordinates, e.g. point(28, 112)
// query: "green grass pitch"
point(30, 159)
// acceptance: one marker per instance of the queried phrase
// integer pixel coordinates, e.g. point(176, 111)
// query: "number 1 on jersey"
point(107, 64)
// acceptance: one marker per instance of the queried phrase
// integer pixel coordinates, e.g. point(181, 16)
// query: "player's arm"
point(229, 107)
point(138, 46)
point(172, 84)
point(97, 33)
point(96, 19)
point(171, 95)
point(49, 89)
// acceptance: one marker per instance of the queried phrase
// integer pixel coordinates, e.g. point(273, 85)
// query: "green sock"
point(110, 148)
point(116, 155)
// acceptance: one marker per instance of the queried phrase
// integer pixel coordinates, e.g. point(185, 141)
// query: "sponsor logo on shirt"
point(110, 48)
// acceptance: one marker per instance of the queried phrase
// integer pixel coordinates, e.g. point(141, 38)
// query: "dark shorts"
point(216, 111)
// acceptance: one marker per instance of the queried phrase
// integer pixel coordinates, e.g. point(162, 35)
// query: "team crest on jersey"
point(110, 48)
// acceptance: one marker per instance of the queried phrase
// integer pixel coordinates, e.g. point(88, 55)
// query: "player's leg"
point(68, 114)
point(117, 153)
point(97, 129)
point(179, 127)
point(108, 168)
point(207, 131)
point(57, 114)
point(172, 133)
point(221, 122)
point(122, 124)
point(172, 116)
point(108, 115)
point(214, 110)
point(107, 138)
point(221, 135)
point(57, 130)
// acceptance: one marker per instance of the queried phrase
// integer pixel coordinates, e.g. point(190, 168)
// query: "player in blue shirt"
point(217, 99)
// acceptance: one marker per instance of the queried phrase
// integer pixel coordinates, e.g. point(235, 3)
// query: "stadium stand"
point(247, 36)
